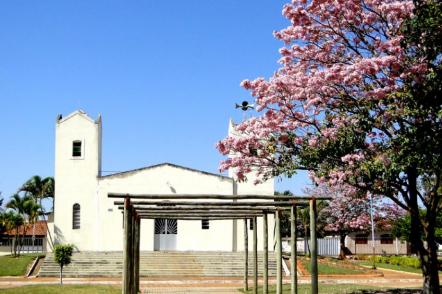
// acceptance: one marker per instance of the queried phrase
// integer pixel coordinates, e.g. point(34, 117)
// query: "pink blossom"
point(334, 52)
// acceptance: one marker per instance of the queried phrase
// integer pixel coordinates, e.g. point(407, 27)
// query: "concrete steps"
point(158, 264)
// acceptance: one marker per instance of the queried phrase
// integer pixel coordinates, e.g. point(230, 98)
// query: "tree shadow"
point(389, 291)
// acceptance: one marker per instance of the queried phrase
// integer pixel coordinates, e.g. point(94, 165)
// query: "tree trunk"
point(430, 267)
point(61, 275)
point(342, 245)
point(33, 236)
point(13, 250)
point(306, 237)
point(16, 241)
point(427, 256)
point(22, 239)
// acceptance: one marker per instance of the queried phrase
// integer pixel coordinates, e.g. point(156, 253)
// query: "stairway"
point(158, 264)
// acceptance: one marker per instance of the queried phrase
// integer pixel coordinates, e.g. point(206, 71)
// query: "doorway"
point(165, 234)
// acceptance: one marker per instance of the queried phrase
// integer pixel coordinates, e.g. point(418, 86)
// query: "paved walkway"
point(195, 285)
point(196, 290)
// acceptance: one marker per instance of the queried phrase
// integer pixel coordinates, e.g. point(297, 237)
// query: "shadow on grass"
point(390, 291)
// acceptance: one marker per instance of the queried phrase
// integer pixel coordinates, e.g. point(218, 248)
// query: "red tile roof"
point(40, 229)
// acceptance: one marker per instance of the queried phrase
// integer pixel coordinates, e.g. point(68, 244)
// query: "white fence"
point(27, 245)
point(328, 246)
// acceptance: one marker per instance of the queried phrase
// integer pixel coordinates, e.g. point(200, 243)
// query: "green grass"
point(15, 266)
point(329, 266)
point(402, 268)
point(329, 289)
point(65, 289)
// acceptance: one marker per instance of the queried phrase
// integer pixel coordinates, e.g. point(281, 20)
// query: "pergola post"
point(132, 252)
point(127, 250)
point(293, 257)
point(137, 253)
point(278, 252)
point(246, 257)
point(313, 247)
point(265, 270)
point(255, 256)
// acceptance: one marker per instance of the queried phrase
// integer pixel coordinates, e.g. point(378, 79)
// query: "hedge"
point(409, 261)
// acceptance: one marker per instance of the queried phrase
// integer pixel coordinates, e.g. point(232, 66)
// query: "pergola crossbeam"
point(211, 196)
point(166, 203)
point(196, 218)
point(184, 208)
point(202, 216)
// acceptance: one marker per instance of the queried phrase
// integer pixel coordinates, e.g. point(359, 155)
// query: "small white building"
point(86, 217)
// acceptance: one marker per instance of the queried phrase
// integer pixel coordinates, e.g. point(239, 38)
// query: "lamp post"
point(372, 230)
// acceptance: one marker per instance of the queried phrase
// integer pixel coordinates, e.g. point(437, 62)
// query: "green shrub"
point(397, 260)
point(62, 255)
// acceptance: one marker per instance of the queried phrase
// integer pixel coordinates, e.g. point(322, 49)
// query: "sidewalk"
point(218, 285)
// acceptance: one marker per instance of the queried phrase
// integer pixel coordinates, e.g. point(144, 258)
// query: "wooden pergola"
point(172, 206)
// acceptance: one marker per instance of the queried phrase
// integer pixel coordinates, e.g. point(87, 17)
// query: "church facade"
point(85, 217)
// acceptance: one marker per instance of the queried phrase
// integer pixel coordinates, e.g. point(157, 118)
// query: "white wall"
point(164, 179)
point(76, 179)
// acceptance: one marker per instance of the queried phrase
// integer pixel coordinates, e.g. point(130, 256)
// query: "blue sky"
point(164, 75)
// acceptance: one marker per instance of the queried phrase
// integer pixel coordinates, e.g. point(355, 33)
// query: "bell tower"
point(77, 168)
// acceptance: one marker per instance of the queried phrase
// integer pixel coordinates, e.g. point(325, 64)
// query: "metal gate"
point(165, 234)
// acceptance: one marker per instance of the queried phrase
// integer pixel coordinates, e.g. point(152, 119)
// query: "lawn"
point(65, 289)
point(15, 266)
point(402, 268)
point(332, 266)
point(329, 289)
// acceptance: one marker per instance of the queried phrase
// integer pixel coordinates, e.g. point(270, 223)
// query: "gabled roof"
point(79, 112)
point(167, 164)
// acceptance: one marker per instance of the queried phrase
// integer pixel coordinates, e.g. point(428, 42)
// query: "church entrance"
point(165, 234)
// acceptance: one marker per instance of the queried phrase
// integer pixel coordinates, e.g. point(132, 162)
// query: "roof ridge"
point(166, 164)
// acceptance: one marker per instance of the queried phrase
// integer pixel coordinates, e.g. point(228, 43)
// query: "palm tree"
point(40, 189)
point(20, 205)
point(32, 210)
point(12, 220)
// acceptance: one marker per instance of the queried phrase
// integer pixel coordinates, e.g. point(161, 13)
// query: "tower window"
point(76, 149)
point(76, 216)
point(205, 224)
point(251, 224)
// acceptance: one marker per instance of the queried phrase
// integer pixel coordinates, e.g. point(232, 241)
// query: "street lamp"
point(372, 230)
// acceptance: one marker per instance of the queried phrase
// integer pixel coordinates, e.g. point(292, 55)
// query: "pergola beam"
point(201, 216)
point(210, 196)
point(224, 207)
point(197, 218)
point(197, 211)
point(162, 203)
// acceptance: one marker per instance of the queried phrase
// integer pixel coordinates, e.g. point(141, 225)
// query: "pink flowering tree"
point(356, 101)
point(349, 211)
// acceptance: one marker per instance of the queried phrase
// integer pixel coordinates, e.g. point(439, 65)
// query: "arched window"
point(76, 216)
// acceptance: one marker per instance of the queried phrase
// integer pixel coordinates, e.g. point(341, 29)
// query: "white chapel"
point(85, 217)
